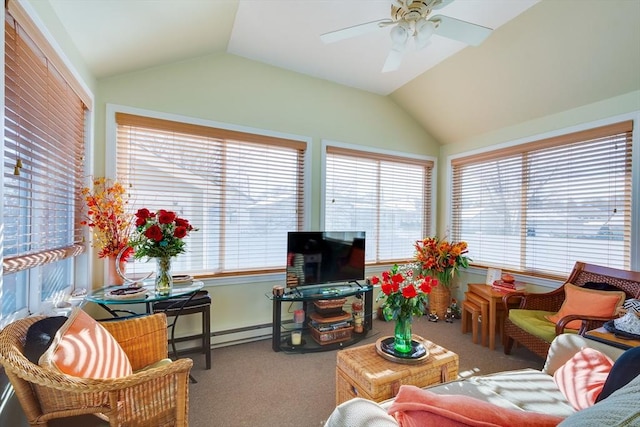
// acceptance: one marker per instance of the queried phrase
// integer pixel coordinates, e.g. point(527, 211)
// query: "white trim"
point(635, 191)
point(635, 170)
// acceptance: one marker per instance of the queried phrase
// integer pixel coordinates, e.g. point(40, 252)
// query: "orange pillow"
point(582, 377)
point(587, 302)
point(83, 348)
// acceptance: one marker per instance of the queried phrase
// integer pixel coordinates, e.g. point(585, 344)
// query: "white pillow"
point(359, 412)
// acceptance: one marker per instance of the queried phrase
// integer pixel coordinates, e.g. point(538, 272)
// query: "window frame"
point(539, 278)
point(111, 130)
point(80, 268)
point(378, 152)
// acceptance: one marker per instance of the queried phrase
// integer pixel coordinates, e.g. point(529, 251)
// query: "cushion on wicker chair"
point(534, 322)
point(84, 348)
point(587, 302)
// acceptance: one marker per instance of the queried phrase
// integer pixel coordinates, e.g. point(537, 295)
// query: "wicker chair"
point(627, 281)
point(156, 396)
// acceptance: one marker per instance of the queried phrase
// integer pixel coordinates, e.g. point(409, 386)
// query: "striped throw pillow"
point(84, 348)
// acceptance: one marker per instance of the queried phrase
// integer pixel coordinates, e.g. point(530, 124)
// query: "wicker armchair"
point(627, 281)
point(156, 396)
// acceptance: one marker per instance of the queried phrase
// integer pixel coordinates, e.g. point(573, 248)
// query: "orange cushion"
point(84, 348)
point(582, 377)
point(587, 302)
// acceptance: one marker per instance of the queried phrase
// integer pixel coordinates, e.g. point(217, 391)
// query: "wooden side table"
point(362, 372)
point(606, 337)
point(495, 300)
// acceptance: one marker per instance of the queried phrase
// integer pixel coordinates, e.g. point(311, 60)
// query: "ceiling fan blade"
point(463, 31)
point(356, 30)
point(439, 4)
point(394, 59)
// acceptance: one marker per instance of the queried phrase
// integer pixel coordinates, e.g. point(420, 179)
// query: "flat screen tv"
point(322, 257)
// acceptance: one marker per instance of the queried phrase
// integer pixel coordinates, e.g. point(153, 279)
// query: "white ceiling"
point(116, 36)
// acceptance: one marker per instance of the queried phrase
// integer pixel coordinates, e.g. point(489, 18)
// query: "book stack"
point(510, 286)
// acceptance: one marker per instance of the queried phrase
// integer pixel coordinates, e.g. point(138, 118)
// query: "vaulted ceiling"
point(542, 57)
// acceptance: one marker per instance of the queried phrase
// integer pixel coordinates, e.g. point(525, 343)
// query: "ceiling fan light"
point(424, 30)
point(400, 34)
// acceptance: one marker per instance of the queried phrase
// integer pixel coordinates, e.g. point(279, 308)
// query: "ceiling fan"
point(410, 19)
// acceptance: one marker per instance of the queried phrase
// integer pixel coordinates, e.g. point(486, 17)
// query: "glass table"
point(187, 291)
point(103, 299)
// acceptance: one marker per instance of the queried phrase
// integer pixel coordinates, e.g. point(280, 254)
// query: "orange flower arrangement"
point(440, 258)
point(107, 217)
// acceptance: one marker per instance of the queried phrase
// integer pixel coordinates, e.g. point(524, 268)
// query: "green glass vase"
point(402, 335)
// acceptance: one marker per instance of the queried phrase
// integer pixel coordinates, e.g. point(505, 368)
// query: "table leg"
point(492, 323)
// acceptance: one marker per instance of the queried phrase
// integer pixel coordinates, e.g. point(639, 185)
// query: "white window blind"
point(243, 191)
point(44, 122)
point(540, 207)
point(43, 167)
point(387, 196)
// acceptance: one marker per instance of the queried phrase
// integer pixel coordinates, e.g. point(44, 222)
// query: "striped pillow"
point(84, 348)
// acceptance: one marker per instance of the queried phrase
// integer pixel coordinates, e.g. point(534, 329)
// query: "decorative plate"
point(419, 353)
point(130, 292)
point(182, 279)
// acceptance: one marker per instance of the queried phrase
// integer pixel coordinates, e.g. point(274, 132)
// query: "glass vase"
point(402, 335)
point(164, 280)
point(113, 278)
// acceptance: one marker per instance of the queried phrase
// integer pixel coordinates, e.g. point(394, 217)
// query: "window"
point(242, 191)
point(543, 205)
point(387, 196)
point(43, 156)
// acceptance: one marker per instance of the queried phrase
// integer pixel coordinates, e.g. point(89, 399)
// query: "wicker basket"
point(330, 337)
point(330, 303)
point(329, 307)
point(439, 300)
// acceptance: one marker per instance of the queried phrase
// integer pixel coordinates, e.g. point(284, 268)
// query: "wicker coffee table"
point(362, 372)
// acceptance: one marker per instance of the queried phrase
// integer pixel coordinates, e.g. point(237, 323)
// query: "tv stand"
point(281, 338)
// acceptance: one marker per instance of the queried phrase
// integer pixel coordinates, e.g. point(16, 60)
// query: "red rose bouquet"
point(159, 234)
point(405, 290)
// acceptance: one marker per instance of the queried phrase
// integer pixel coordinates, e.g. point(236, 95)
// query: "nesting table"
point(494, 298)
point(362, 372)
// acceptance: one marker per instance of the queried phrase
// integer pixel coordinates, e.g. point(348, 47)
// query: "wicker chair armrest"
point(143, 339)
point(508, 300)
point(548, 301)
point(70, 384)
point(588, 323)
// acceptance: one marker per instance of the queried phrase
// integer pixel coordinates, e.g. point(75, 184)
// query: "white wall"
point(236, 91)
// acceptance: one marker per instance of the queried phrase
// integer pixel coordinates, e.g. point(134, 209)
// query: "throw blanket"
point(414, 407)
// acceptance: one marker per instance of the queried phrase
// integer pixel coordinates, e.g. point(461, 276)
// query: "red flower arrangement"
point(405, 289)
point(159, 234)
point(107, 217)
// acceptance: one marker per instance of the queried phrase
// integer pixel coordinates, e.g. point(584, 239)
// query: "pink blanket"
point(414, 407)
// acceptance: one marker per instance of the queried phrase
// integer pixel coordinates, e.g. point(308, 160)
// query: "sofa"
point(526, 397)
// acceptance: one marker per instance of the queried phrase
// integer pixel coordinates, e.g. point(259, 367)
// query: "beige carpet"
point(251, 385)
